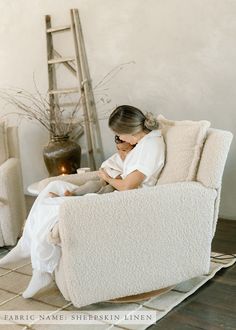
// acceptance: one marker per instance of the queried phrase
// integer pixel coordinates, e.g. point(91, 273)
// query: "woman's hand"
point(103, 175)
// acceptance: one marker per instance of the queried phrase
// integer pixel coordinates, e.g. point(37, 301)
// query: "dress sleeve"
point(150, 158)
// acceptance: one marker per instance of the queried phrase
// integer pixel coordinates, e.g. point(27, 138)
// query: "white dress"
point(147, 157)
point(42, 217)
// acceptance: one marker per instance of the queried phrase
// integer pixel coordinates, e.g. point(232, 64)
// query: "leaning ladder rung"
point(64, 91)
point(61, 60)
point(59, 28)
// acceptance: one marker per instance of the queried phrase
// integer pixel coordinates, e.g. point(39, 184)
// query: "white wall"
point(185, 63)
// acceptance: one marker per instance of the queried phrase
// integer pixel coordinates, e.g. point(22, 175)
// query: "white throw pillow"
point(184, 141)
point(3, 143)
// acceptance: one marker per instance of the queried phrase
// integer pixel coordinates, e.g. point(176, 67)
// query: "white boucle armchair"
point(140, 240)
point(12, 201)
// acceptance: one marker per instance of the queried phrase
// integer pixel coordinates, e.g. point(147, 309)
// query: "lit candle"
point(63, 170)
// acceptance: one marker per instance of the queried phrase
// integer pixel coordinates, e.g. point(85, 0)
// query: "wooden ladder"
point(94, 148)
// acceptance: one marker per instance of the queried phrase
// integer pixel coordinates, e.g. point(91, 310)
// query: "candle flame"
point(63, 170)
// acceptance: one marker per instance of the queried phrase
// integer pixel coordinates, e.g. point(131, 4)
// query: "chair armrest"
point(12, 208)
point(135, 241)
point(77, 179)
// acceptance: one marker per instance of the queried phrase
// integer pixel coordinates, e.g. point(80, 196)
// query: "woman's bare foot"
point(52, 194)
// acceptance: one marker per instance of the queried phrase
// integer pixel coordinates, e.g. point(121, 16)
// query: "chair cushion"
point(184, 141)
point(3, 143)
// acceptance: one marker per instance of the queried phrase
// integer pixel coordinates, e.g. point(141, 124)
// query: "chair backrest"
point(211, 166)
point(13, 142)
point(213, 157)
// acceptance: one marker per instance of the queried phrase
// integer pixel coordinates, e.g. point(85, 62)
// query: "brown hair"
point(126, 119)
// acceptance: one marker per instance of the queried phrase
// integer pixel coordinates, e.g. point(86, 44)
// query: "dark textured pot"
point(62, 156)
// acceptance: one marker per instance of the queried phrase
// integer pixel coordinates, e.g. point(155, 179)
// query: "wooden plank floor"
point(213, 306)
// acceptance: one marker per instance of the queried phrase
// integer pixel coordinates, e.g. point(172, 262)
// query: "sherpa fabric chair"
point(12, 202)
point(140, 240)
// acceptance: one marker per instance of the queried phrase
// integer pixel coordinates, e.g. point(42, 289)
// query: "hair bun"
point(151, 121)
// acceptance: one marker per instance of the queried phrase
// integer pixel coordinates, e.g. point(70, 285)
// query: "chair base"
point(141, 296)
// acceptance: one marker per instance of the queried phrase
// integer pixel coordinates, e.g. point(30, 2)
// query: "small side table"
point(33, 189)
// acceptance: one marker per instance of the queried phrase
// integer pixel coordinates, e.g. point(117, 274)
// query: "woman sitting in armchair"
point(141, 169)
